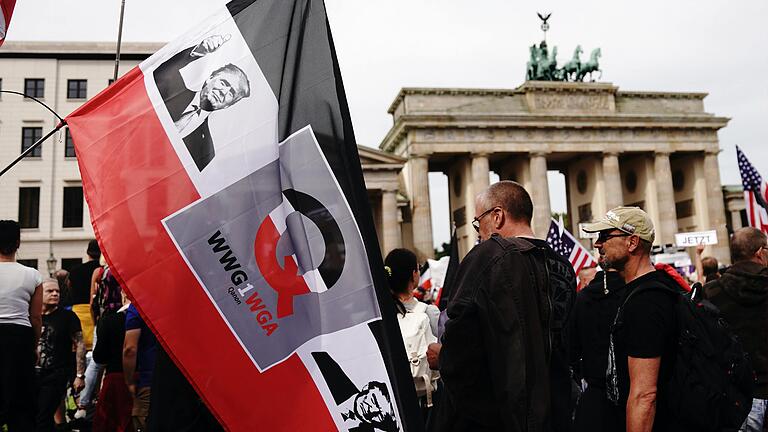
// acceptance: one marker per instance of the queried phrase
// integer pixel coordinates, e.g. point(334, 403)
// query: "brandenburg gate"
point(655, 150)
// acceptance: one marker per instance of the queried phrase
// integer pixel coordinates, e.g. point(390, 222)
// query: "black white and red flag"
point(225, 188)
point(6, 10)
point(755, 193)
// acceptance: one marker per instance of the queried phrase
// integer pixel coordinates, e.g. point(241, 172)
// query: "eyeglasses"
point(476, 221)
point(604, 236)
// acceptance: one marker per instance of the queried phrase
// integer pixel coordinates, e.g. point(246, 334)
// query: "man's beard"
point(617, 264)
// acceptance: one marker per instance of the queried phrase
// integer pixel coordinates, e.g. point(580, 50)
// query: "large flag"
point(755, 193)
point(566, 245)
point(225, 188)
point(6, 10)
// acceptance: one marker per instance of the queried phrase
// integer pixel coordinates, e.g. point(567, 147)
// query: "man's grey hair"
point(50, 281)
point(746, 242)
point(511, 197)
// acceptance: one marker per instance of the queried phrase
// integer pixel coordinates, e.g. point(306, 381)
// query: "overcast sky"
point(703, 46)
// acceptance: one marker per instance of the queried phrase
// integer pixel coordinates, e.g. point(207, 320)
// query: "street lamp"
point(51, 263)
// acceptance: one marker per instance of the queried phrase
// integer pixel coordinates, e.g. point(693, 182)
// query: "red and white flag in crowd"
point(225, 189)
point(755, 193)
point(566, 245)
point(6, 10)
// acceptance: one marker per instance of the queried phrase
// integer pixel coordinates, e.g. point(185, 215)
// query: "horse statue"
point(590, 66)
point(571, 70)
point(532, 66)
point(548, 67)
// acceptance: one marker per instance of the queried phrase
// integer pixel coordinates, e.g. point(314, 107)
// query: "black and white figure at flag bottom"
point(568, 247)
point(755, 193)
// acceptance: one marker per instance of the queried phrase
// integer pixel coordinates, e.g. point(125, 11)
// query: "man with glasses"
point(644, 342)
point(495, 352)
point(741, 294)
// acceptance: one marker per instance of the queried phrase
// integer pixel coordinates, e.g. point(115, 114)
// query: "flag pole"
point(119, 39)
point(31, 148)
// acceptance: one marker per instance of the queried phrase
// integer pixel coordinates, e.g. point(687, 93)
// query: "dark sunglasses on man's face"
point(604, 236)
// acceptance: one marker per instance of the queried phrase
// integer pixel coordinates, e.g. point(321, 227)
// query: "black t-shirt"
point(80, 277)
point(109, 341)
point(57, 339)
point(649, 330)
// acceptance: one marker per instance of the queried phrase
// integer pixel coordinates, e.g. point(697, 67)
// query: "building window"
point(29, 207)
point(29, 136)
point(77, 88)
point(581, 182)
point(69, 145)
point(69, 263)
point(28, 263)
point(585, 213)
point(73, 207)
point(34, 87)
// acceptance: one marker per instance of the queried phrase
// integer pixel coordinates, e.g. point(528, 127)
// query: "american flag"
point(755, 193)
point(566, 245)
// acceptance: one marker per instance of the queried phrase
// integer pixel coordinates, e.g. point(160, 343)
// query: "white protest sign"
point(696, 238)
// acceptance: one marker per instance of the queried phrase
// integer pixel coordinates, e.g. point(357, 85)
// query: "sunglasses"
point(604, 236)
point(476, 221)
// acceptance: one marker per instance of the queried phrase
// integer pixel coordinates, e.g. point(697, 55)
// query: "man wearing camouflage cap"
point(643, 347)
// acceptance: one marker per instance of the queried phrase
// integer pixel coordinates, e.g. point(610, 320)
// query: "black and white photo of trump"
point(190, 108)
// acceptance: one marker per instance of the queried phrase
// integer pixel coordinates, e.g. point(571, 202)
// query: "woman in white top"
point(21, 299)
point(403, 274)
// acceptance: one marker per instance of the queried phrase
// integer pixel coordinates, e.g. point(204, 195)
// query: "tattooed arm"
point(79, 343)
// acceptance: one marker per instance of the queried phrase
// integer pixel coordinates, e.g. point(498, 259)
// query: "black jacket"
point(496, 347)
point(593, 316)
point(741, 294)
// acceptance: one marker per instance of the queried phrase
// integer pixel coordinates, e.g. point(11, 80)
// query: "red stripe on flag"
point(132, 179)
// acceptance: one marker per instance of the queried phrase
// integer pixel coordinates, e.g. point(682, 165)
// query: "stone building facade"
point(657, 150)
point(44, 191)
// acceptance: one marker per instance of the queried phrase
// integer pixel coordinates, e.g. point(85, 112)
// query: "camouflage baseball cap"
point(631, 220)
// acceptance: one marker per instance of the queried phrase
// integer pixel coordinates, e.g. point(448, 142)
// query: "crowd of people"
point(518, 347)
point(74, 338)
point(523, 350)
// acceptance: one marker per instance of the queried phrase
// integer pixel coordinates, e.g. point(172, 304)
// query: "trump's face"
point(222, 89)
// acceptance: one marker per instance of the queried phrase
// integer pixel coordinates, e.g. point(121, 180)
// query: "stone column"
point(480, 173)
point(539, 191)
point(421, 212)
point(390, 229)
point(716, 206)
point(612, 181)
point(665, 196)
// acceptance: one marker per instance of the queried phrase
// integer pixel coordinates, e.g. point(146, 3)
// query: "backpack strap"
point(655, 286)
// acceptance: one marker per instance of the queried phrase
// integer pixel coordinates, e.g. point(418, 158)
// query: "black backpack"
point(108, 298)
point(710, 387)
